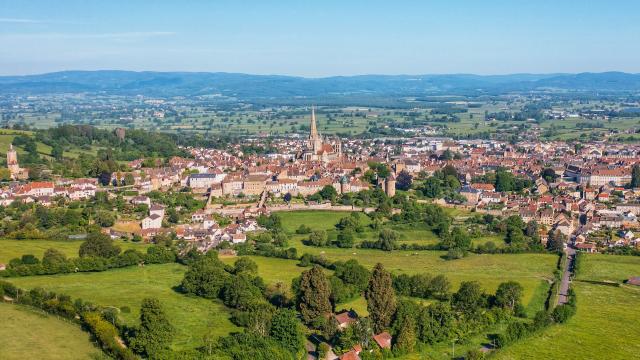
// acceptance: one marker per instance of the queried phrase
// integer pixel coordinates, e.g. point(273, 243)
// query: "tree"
point(303, 229)
point(345, 239)
point(318, 238)
point(555, 241)
point(437, 323)
point(57, 151)
point(352, 273)
point(328, 192)
point(406, 339)
point(381, 298)
point(245, 265)
point(439, 286)
point(104, 218)
point(505, 181)
point(155, 332)
point(205, 277)
point(469, 298)
point(314, 295)
point(98, 245)
point(387, 239)
point(285, 329)
point(635, 176)
point(508, 294)
point(404, 180)
point(549, 175)
point(432, 188)
point(240, 292)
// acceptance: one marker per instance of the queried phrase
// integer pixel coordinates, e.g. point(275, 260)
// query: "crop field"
point(192, 317)
point(10, 249)
point(46, 336)
point(606, 323)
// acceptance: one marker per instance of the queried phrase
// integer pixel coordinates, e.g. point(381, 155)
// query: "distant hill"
point(244, 86)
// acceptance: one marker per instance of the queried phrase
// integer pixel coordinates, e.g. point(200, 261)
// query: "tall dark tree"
point(549, 175)
point(314, 295)
point(285, 329)
point(635, 176)
point(381, 298)
point(406, 339)
point(155, 332)
point(555, 240)
point(404, 180)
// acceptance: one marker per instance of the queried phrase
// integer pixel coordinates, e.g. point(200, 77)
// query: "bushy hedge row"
point(55, 263)
point(543, 319)
point(86, 314)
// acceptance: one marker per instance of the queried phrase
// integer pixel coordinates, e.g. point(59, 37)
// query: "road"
point(563, 297)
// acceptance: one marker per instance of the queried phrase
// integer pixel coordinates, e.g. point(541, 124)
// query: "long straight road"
point(563, 294)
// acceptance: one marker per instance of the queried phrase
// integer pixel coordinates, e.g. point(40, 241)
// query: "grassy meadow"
point(46, 337)
point(10, 248)
point(606, 324)
point(192, 317)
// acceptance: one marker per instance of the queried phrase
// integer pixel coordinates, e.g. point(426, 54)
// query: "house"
point(37, 188)
point(157, 210)
point(202, 181)
point(350, 355)
point(346, 318)
point(198, 216)
point(140, 200)
point(152, 222)
point(589, 248)
point(383, 340)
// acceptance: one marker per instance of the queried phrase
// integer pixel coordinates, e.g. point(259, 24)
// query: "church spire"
point(313, 134)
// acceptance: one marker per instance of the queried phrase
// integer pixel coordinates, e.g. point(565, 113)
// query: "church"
point(316, 148)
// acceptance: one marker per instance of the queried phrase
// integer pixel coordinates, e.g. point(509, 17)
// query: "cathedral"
point(316, 149)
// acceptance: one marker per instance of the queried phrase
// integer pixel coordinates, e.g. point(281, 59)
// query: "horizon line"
point(317, 77)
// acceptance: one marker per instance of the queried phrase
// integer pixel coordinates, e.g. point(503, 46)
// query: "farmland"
point(46, 334)
point(605, 320)
point(10, 248)
point(192, 317)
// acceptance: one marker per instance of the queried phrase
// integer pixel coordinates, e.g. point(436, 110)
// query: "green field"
point(533, 271)
point(316, 220)
point(606, 325)
point(45, 337)
point(192, 317)
point(10, 249)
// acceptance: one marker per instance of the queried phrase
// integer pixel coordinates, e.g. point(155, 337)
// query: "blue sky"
point(321, 38)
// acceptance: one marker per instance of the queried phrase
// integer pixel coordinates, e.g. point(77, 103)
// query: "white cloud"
point(20, 21)
point(114, 36)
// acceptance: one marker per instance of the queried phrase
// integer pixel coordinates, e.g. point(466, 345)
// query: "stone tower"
point(12, 161)
point(390, 186)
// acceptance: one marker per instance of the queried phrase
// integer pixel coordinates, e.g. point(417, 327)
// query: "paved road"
point(563, 297)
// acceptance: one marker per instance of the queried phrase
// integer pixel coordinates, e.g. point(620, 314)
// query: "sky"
point(316, 38)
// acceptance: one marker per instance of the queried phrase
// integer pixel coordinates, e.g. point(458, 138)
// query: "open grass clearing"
point(10, 248)
point(192, 317)
point(28, 333)
point(607, 321)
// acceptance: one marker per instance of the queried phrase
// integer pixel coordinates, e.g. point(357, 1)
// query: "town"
point(334, 180)
point(589, 192)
